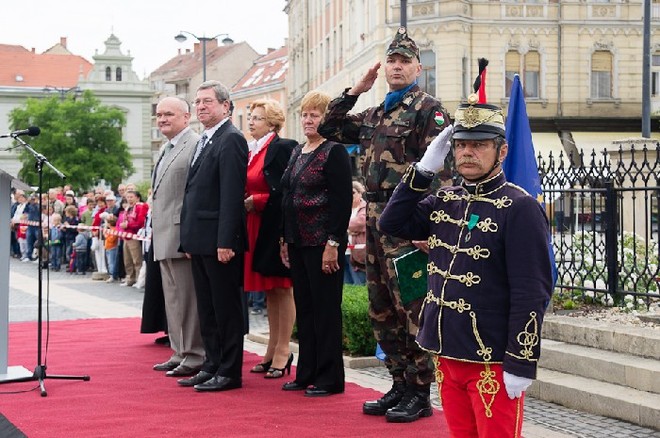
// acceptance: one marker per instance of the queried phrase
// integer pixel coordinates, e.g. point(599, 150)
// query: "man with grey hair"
point(168, 184)
point(213, 233)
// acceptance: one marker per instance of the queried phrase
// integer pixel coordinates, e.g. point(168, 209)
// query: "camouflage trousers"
point(395, 324)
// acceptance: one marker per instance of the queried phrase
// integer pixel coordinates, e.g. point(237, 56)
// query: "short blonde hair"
point(315, 100)
point(274, 112)
point(357, 185)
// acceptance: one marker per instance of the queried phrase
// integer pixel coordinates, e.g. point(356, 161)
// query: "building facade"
point(181, 75)
point(266, 79)
point(580, 62)
point(25, 73)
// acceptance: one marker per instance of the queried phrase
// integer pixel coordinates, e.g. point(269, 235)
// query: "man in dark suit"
point(168, 183)
point(213, 233)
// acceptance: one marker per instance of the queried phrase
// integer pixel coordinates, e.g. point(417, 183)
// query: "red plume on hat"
point(480, 83)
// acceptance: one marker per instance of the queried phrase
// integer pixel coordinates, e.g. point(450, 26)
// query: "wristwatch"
point(332, 243)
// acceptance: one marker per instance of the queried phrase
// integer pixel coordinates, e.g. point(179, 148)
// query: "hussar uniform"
point(489, 283)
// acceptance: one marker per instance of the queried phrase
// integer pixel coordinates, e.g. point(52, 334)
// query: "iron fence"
point(603, 210)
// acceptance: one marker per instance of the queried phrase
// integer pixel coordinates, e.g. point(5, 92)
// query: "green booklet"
point(411, 272)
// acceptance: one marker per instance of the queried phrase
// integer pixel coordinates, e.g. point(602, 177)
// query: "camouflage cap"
point(403, 45)
point(478, 121)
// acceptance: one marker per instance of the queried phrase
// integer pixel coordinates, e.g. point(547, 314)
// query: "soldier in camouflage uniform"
point(391, 136)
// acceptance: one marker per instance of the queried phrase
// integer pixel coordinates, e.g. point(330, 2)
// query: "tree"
point(80, 137)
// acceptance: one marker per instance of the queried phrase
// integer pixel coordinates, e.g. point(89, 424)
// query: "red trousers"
point(475, 402)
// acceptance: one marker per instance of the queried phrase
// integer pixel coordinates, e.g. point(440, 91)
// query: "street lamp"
point(181, 38)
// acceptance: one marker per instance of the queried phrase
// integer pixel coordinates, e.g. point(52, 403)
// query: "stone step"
point(637, 341)
point(605, 366)
point(600, 398)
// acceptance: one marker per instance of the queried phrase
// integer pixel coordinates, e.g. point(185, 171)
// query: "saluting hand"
point(366, 82)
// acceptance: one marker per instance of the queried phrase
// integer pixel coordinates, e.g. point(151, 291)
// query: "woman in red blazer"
point(264, 271)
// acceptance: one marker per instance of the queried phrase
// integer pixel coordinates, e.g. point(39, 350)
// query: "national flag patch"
point(439, 118)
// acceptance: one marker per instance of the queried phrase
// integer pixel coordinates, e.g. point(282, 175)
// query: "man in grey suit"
point(168, 184)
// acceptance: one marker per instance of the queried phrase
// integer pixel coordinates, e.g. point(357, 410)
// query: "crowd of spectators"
point(93, 231)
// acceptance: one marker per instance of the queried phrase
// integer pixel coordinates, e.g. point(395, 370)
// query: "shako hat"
point(477, 120)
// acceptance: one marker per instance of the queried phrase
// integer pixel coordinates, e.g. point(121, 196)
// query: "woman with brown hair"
point(264, 271)
point(317, 206)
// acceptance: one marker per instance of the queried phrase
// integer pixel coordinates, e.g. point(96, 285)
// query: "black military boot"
point(389, 400)
point(415, 403)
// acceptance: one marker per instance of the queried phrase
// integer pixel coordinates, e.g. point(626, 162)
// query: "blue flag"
point(520, 165)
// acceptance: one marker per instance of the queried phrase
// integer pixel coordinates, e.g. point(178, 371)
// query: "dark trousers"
point(32, 238)
point(81, 261)
point(219, 303)
point(14, 246)
point(318, 317)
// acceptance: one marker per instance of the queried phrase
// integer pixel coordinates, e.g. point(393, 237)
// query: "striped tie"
point(200, 147)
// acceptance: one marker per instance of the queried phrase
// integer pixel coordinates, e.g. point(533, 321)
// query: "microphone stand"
point(40, 370)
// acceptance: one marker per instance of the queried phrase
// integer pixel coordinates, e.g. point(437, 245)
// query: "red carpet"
point(126, 398)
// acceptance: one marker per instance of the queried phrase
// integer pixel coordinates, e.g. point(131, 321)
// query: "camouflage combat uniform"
point(390, 141)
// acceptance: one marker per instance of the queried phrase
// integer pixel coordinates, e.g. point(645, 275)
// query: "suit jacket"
point(266, 259)
point(167, 198)
point(213, 213)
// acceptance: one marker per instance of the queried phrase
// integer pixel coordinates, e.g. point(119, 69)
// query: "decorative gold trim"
point(528, 339)
point(487, 387)
point(409, 178)
point(487, 225)
point(469, 279)
point(483, 351)
point(439, 376)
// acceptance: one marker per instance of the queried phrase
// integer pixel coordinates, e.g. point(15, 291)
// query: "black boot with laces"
point(415, 403)
point(387, 401)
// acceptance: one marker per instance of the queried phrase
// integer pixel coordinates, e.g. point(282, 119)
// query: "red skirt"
point(255, 282)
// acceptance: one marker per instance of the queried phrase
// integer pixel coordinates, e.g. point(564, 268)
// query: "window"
point(108, 74)
point(427, 78)
point(531, 78)
point(512, 66)
point(655, 75)
point(529, 75)
point(118, 74)
point(601, 75)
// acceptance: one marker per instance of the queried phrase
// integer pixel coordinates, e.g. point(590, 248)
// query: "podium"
point(7, 373)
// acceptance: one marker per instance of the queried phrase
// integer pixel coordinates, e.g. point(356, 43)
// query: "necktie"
point(168, 148)
point(200, 147)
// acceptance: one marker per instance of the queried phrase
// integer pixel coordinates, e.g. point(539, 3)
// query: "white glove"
point(436, 152)
point(515, 385)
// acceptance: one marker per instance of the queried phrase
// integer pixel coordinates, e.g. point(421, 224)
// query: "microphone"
point(32, 131)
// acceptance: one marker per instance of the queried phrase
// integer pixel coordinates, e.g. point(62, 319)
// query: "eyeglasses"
point(208, 101)
point(256, 119)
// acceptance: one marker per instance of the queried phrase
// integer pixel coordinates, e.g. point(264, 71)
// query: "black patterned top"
point(317, 195)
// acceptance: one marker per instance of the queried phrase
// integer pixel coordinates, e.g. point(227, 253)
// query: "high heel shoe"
point(263, 367)
point(276, 373)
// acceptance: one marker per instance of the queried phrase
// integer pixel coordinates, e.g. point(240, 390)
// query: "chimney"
point(270, 50)
point(179, 51)
point(34, 50)
point(196, 48)
point(211, 44)
point(63, 42)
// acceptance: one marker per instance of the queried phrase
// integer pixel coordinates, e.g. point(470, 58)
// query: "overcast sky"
point(146, 28)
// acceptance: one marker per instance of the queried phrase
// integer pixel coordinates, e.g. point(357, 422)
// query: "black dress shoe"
point(166, 366)
point(198, 378)
point(182, 371)
point(163, 340)
point(315, 391)
point(219, 383)
point(293, 386)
